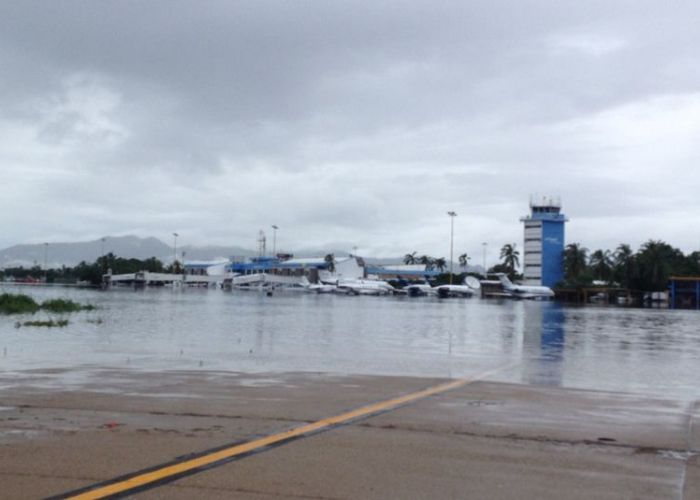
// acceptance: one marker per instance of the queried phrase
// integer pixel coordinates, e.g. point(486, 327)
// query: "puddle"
point(677, 455)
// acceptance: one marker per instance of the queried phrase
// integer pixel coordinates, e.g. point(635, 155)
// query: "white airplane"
point(319, 287)
point(523, 291)
point(419, 289)
point(444, 291)
point(466, 289)
point(364, 287)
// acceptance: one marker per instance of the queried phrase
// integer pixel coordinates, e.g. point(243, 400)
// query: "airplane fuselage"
point(530, 292)
point(525, 291)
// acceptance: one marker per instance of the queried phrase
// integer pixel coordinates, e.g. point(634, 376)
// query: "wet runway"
point(482, 439)
point(575, 403)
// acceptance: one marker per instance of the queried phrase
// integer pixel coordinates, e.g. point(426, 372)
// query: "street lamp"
point(175, 235)
point(274, 239)
point(102, 255)
point(484, 245)
point(452, 234)
point(46, 262)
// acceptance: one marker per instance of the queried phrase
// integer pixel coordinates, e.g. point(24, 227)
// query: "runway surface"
point(474, 439)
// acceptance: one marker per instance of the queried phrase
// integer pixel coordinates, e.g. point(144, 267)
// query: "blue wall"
point(552, 252)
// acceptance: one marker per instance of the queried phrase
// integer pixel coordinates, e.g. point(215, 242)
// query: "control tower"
point(544, 242)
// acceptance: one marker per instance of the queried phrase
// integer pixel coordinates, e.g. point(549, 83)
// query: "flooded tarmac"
point(652, 352)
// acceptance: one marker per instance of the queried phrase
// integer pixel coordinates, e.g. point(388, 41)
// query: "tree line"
point(90, 273)
point(647, 269)
point(510, 260)
point(430, 263)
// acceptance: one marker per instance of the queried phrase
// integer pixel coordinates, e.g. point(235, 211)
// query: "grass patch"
point(47, 323)
point(17, 303)
point(11, 303)
point(65, 306)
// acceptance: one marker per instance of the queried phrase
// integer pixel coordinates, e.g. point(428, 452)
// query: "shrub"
point(17, 304)
point(65, 306)
point(48, 323)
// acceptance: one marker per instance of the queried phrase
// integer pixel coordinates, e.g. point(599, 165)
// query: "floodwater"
point(653, 352)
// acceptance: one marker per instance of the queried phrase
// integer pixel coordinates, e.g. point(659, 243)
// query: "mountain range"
point(72, 253)
point(69, 254)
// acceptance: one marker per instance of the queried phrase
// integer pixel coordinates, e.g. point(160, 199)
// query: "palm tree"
point(106, 262)
point(693, 263)
point(330, 262)
point(426, 261)
point(601, 264)
point(654, 264)
point(575, 257)
point(510, 256)
point(409, 258)
point(440, 263)
point(463, 260)
point(624, 265)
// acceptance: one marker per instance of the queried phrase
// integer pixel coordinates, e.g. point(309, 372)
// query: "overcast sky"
point(349, 123)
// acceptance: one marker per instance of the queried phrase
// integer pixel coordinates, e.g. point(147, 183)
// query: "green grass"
point(65, 306)
point(17, 304)
point(11, 303)
point(48, 323)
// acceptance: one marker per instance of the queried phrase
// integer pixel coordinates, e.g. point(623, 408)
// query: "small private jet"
point(364, 287)
point(419, 289)
point(524, 291)
point(318, 287)
point(467, 289)
point(347, 286)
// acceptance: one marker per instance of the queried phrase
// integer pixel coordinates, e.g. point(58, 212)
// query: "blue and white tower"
point(544, 242)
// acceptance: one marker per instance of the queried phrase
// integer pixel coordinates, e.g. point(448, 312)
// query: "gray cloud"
point(348, 122)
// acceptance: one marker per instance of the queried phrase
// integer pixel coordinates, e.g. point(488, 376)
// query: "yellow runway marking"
point(161, 474)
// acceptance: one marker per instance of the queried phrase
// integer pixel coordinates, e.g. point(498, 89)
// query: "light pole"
point(274, 239)
point(175, 235)
point(46, 262)
point(483, 245)
point(452, 235)
point(103, 265)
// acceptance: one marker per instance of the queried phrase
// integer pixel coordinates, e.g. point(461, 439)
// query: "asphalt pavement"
point(62, 431)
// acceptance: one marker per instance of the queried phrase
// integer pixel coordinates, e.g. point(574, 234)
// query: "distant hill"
point(130, 247)
point(72, 253)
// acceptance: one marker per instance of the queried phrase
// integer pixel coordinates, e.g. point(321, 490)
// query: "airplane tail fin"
point(507, 284)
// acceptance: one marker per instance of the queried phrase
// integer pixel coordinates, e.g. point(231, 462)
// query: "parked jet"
point(419, 289)
point(524, 291)
point(364, 287)
point(466, 289)
point(318, 287)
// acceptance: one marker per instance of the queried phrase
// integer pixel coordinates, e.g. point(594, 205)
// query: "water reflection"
point(543, 343)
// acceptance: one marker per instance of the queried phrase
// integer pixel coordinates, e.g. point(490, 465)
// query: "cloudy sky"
point(349, 123)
